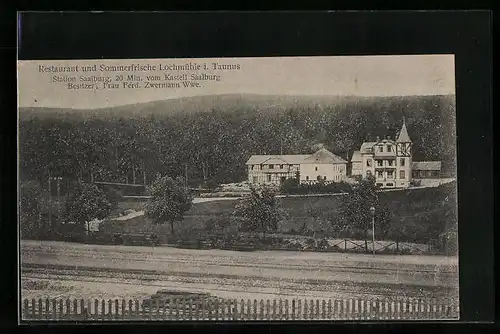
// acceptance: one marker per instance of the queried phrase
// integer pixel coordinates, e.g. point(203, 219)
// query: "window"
point(389, 184)
point(261, 167)
point(324, 178)
point(390, 162)
point(390, 175)
point(402, 161)
point(389, 148)
point(380, 174)
point(380, 163)
point(316, 168)
point(281, 166)
point(271, 166)
point(307, 178)
point(402, 174)
point(269, 177)
point(255, 179)
point(381, 149)
point(369, 163)
point(318, 178)
point(368, 173)
point(251, 167)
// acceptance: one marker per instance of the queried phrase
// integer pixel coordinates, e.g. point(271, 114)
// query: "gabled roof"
point(289, 159)
point(324, 156)
point(321, 156)
point(356, 156)
point(403, 136)
point(426, 165)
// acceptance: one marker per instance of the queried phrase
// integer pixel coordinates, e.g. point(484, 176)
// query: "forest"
point(212, 143)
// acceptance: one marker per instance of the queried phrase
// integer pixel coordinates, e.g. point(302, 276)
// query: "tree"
point(356, 208)
point(261, 210)
point(170, 200)
point(31, 197)
point(85, 203)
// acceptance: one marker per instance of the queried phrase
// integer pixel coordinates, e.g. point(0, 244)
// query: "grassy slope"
point(408, 204)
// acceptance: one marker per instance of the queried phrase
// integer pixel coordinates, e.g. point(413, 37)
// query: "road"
point(59, 269)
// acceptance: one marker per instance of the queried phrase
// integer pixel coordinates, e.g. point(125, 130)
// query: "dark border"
point(236, 34)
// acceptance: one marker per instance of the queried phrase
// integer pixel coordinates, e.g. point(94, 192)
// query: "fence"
point(243, 310)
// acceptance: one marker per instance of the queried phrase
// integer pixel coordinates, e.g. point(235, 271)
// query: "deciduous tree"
point(261, 210)
point(170, 200)
point(85, 203)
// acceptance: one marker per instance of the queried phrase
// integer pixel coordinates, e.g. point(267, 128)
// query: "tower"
point(404, 157)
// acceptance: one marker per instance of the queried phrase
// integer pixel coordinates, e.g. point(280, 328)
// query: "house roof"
point(321, 156)
point(289, 159)
point(427, 165)
point(356, 156)
point(324, 156)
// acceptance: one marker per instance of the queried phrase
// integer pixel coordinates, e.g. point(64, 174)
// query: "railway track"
point(287, 287)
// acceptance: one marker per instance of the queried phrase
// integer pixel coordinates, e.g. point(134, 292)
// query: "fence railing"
point(242, 310)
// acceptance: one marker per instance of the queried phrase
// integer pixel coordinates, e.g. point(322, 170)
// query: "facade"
point(389, 161)
point(426, 169)
point(274, 169)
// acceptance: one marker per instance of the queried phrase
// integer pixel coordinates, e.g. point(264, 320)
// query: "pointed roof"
point(403, 136)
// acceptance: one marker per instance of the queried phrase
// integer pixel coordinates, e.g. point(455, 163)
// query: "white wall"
point(333, 172)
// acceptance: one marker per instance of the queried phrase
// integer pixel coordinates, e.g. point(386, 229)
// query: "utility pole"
point(50, 204)
point(59, 198)
point(143, 171)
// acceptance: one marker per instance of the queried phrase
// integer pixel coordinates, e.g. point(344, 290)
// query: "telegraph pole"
point(59, 198)
point(50, 204)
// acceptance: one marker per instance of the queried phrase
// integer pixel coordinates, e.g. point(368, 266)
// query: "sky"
point(346, 75)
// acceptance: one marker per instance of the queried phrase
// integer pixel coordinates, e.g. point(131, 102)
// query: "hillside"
point(189, 105)
point(417, 211)
point(216, 144)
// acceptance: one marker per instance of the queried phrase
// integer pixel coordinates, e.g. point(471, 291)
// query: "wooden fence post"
point(329, 316)
point(286, 310)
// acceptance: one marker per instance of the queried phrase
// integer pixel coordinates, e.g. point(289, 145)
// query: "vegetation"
point(85, 203)
point(214, 144)
point(260, 211)
point(30, 207)
point(170, 200)
point(357, 206)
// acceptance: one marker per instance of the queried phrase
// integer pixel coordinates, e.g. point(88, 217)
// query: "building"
point(274, 169)
point(426, 169)
point(389, 161)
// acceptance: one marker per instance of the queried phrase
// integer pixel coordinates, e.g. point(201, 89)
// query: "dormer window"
point(389, 148)
point(316, 168)
point(381, 149)
point(271, 166)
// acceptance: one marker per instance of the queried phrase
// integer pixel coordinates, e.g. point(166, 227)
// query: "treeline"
point(214, 146)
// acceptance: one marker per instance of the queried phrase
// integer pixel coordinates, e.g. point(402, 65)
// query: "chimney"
point(378, 138)
point(388, 137)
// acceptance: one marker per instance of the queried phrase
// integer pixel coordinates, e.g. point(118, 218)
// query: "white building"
point(388, 160)
point(274, 169)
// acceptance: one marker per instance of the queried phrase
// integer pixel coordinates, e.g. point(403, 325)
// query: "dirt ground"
point(65, 270)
